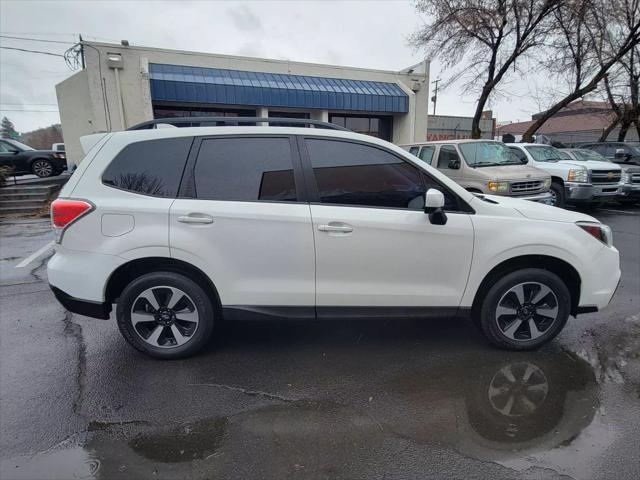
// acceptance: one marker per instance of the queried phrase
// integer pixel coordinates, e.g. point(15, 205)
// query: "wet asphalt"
point(353, 400)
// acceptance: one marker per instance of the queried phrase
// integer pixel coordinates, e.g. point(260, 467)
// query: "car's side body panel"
point(391, 257)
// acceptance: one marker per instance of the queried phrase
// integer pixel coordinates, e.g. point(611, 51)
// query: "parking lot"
point(357, 399)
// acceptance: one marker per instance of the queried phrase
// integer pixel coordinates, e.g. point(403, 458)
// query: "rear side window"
point(245, 169)
point(426, 154)
point(152, 167)
point(413, 150)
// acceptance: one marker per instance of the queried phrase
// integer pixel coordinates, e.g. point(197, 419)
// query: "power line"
point(30, 104)
point(33, 51)
point(18, 110)
point(36, 40)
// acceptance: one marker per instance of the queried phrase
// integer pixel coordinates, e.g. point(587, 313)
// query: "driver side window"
point(446, 156)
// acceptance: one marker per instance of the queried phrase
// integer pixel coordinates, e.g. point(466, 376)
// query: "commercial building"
point(447, 127)
point(580, 121)
point(121, 86)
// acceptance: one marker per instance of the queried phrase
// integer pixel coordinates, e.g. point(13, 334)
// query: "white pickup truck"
point(572, 181)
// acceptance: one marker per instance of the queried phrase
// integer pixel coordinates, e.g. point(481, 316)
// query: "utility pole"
point(434, 99)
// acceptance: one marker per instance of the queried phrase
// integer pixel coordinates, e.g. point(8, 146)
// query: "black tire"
point(205, 308)
point(43, 168)
point(488, 321)
point(557, 189)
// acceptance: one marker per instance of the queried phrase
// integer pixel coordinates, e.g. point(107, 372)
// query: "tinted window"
point(413, 150)
point(426, 154)
point(354, 174)
point(5, 148)
point(447, 154)
point(153, 167)
point(245, 169)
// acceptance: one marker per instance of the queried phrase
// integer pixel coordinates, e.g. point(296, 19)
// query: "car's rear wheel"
point(525, 309)
point(165, 315)
point(557, 194)
point(42, 168)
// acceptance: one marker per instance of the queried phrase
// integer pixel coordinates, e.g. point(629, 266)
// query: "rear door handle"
point(196, 218)
point(336, 227)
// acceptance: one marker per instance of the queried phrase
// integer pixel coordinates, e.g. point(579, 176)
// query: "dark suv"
point(619, 152)
point(24, 160)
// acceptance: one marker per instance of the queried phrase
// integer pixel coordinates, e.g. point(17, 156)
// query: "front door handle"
point(196, 218)
point(336, 227)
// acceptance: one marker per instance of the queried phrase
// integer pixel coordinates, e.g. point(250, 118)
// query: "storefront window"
point(379, 126)
point(161, 111)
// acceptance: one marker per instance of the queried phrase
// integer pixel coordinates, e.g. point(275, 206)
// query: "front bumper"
point(82, 307)
point(544, 197)
point(59, 163)
point(600, 279)
point(586, 192)
point(630, 190)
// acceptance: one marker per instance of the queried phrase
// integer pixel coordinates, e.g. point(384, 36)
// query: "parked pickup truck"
point(630, 173)
point(485, 166)
point(572, 181)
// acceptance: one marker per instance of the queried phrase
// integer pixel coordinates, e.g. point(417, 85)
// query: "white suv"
point(184, 227)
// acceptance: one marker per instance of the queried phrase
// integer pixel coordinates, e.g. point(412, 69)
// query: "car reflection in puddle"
point(506, 406)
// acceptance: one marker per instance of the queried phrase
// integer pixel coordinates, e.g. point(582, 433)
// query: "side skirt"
point(261, 313)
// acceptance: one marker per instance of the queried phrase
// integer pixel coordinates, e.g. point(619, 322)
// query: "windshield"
point(584, 155)
point(635, 149)
point(486, 154)
point(545, 153)
point(18, 145)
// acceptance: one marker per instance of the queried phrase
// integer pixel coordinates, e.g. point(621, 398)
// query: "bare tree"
point(590, 37)
point(482, 39)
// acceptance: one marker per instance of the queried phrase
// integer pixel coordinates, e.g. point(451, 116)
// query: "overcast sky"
point(370, 34)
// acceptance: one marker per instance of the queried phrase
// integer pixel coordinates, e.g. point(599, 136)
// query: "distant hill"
point(43, 138)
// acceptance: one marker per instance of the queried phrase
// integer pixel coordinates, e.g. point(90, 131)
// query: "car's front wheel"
point(42, 168)
point(165, 315)
point(525, 309)
point(557, 194)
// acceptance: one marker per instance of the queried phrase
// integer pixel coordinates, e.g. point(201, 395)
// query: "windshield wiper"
point(482, 164)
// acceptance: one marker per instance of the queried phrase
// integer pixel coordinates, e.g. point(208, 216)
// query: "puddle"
point(66, 464)
point(188, 442)
point(513, 410)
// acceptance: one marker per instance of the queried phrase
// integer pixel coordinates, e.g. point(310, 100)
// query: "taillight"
point(64, 212)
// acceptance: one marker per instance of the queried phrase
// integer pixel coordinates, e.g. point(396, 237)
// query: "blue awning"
point(178, 83)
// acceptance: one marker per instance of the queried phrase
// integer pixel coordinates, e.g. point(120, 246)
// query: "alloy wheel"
point(42, 168)
point(527, 311)
point(164, 317)
point(554, 198)
point(518, 389)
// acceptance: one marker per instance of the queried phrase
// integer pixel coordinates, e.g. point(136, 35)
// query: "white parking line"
point(34, 255)
point(619, 211)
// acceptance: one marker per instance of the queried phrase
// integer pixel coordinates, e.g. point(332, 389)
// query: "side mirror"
point(15, 152)
point(454, 164)
point(524, 160)
point(433, 206)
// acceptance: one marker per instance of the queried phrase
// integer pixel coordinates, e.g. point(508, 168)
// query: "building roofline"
point(240, 57)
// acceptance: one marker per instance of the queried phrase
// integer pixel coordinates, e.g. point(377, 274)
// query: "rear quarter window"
point(151, 167)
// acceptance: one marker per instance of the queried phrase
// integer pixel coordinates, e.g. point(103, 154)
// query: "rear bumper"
point(585, 192)
point(82, 307)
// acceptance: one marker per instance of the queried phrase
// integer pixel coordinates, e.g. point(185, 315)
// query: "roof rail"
point(224, 121)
